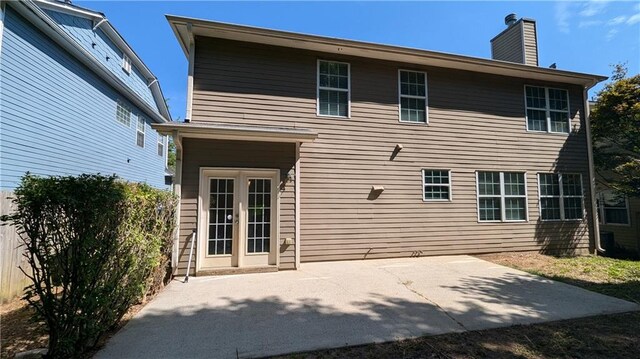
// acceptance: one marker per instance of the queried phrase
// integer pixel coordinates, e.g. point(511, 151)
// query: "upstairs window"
point(140, 132)
point(161, 142)
point(613, 208)
point(333, 88)
point(436, 185)
point(413, 96)
point(123, 114)
point(547, 109)
point(126, 64)
point(502, 196)
point(560, 196)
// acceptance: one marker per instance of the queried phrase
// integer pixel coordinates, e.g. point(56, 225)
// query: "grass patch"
point(615, 277)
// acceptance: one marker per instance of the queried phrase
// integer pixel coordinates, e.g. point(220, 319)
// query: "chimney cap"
point(510, 19)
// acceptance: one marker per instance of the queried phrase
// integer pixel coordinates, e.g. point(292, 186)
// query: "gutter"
point(32, 11)
point(369, 50)
point(152, 80)
point(592, 174)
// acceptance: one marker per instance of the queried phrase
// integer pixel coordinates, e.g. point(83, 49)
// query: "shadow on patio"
point(259, 315)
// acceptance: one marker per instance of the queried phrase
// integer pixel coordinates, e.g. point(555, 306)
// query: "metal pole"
point(186, 277)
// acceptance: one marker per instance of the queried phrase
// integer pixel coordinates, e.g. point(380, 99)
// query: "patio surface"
point(334, 304)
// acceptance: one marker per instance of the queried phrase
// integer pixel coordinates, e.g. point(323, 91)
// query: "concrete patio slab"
point(335, 304)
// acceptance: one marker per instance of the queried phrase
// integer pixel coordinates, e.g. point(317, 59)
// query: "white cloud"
point(562, 15)
point(617, 20)
point(593, 8)
point(589, 23)
point(611, 34)
point(634, 19)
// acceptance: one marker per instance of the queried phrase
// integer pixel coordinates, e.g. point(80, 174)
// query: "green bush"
point(96, 246)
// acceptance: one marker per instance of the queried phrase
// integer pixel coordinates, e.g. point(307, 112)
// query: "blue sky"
point(578, 36)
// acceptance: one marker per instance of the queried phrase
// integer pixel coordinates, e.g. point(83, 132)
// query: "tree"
point(171, 155)
point(615, 127)
point(171, 148)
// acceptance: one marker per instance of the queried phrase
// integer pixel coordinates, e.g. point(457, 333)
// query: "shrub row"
point(96, 246)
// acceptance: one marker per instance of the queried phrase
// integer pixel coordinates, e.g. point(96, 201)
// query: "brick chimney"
point(517, 43)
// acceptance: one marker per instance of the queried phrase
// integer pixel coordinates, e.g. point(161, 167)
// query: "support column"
point(297, 206)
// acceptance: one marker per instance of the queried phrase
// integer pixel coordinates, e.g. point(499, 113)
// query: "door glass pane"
point(259, 208)
point(220, 216)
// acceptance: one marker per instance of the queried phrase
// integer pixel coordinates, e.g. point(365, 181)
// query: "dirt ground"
point(18, 332)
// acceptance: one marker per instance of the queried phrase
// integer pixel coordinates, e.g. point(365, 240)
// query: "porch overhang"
point(219, 131)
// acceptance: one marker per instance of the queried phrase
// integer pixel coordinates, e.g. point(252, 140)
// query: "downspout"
point(177, 190)
point(153, 85)
point(297, 207)
point(35, 15)
point(99, 23)
point(592, 176)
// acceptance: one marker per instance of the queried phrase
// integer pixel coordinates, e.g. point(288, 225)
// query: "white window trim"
point(126, 64)
point(503, 213)
point(561, 196)
point(138, 131)
point(547, 110)
point(122, 104)
point(166, 152)
point(161, 140)
point(601, 211)
point(425, 97)
point(424, 199)
point(347, 90)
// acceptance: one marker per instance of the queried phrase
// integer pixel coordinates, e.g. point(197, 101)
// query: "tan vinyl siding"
point(476, 122)
point(210, 153)
point(530, 43)
point(508, 45)
point(627, 236)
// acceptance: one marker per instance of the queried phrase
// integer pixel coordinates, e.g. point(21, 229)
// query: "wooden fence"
point(12, 280)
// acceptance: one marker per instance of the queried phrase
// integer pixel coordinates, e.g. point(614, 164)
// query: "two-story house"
point(75, 98)
point(300, 148)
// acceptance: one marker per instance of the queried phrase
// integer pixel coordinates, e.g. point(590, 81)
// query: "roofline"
point(372, 50)
point(236, 132)
point(69, 8)
point(112, 33)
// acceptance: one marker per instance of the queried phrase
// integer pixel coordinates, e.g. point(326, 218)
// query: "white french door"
point(238, 215)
